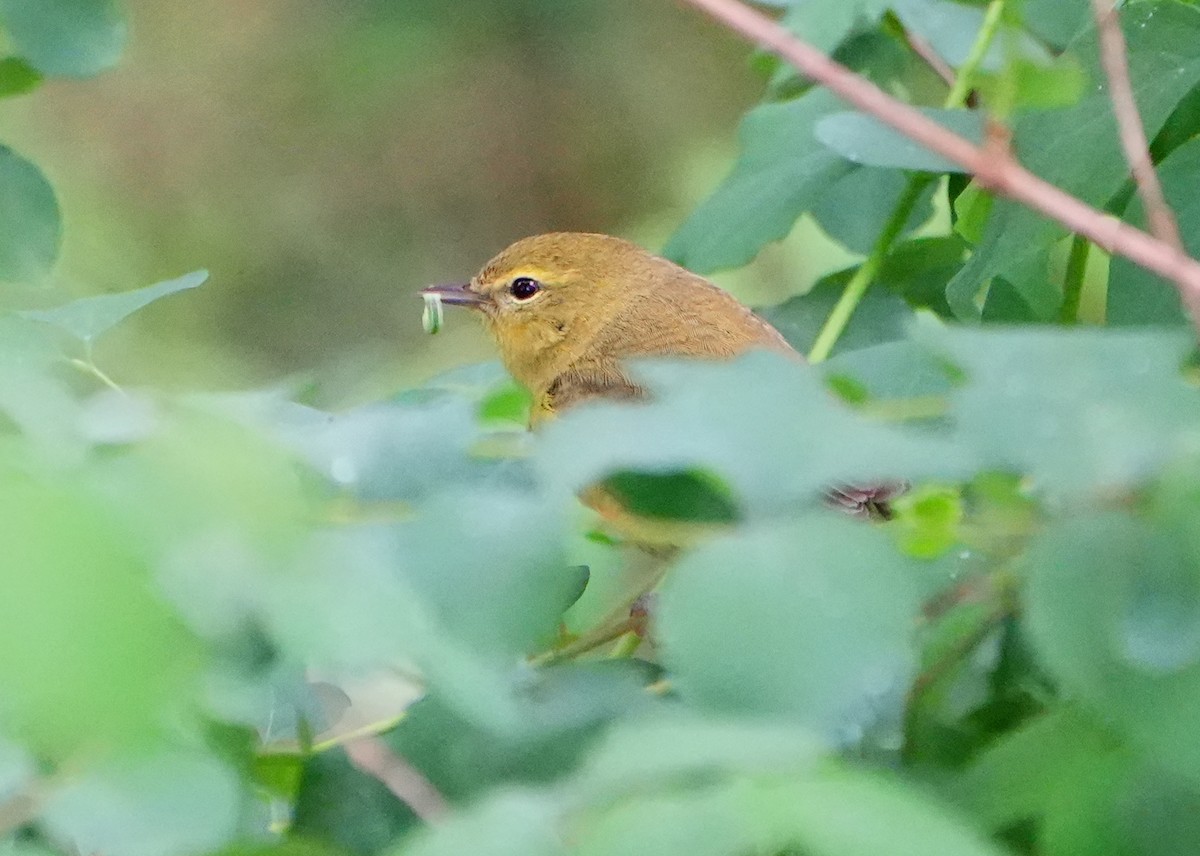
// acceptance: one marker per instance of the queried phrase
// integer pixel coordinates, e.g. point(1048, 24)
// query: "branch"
point(993, 167)
point(1129, 125)
point(406, 782)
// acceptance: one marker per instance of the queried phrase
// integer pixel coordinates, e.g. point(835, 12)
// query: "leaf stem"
point(987, 32)
point(842, 311)
point(836, 323)
point(1073, 279)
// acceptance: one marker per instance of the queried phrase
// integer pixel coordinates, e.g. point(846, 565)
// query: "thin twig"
point(960, 89)
point(406, 782)
point(993, 169)
point(930, 57)
point(1113, 57)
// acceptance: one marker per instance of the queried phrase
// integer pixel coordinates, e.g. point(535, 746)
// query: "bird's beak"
point(456, 294)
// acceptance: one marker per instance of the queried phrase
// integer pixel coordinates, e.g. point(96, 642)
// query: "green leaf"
point(865, 140)
point(763, 424)
point(170, 803)
point(825, 24)
point(66, 38)
point(855, 210)
point(340, 805)
point(566, 710)
point(952, 29)
point(1113, 408)
point(17, 77)
point(490, 566)
point(511, 823)
point(881, 316)
point(782, 172)
point(1114, 608)
point(79, 604)
point(815, 625)
point(1056, 21)
point(30, 229)
point(88, 317)
point(1136, 296)
point(1077, 149)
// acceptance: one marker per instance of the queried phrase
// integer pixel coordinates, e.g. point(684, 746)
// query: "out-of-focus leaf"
point(30, 229)
point(826, 23)
point(811, 620)
point(1114, 608)
point(1060, 771)
point(1056, 21)
point(865, 140)
point(80, 606)
point(88, 317)
point(66, 38)
point(491, 567)
point(650, 752)
point(1036, 85)
point(1077, 149)
point(17, 769)
point(738, 420)
point(339, 805)
point(1136, 296)
point(1112, 408)
point(880, 316)
point(566, 710)
point(782, 172)
point(856, 208)
point(511, 823)
point(17, 77)
point(952, 29)
point(893, 370)
point(165, 804)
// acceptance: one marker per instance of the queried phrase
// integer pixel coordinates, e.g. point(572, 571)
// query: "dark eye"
point(524, 288)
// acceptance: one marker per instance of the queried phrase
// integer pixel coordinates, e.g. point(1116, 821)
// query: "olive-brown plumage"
point(568, 309)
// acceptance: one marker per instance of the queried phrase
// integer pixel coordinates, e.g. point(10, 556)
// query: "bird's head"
point(546, 297)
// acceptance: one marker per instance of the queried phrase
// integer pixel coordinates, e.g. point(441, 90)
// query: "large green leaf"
point(80, 605)
point(17, 77)
point(171, 803)
point(1114, 607)
point(855, 210)
point(1077, 149)
point(866, 140)
point(764, 424)
point(1076, 410)
point(1136, 296)
point(66, 38)
point(30, 229)
point(782, 172)
point(810, 619)
point(88, 317)
point(881, 316)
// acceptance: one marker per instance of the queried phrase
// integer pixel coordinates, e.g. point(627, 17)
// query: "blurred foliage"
point(238, 623)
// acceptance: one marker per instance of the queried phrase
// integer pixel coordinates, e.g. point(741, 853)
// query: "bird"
point(569, 310)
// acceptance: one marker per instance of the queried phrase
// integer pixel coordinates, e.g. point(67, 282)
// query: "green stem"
point(836, 323)
point(987, 32)
point(1073, 280)
point(857, 287)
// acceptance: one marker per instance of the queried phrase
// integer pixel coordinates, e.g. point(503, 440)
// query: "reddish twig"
point(406, 782)
point(1129, 124)
point(993, 169)
point(929, 56)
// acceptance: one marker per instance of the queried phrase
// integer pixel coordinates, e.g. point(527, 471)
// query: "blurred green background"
point(326, 158)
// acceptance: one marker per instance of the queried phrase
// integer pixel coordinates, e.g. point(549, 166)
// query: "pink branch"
point(992, 166)
point(1129, 124)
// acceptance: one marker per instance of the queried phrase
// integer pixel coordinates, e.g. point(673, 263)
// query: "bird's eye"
point(524, 288)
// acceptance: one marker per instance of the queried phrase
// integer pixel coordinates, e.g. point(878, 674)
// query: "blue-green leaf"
point(66, 38)
point(88, 317)
point(29, 221)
